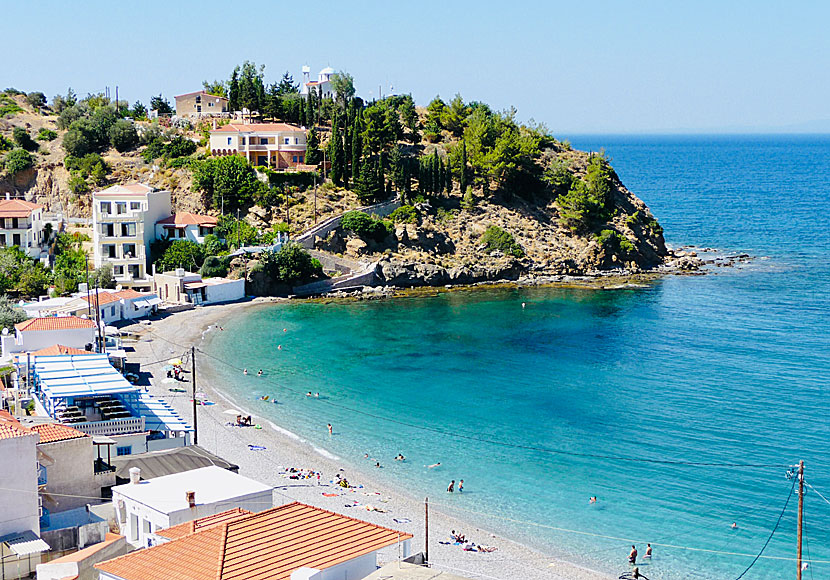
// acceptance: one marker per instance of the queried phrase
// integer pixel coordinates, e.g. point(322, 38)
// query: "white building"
point(186, 226)
point(114, 305)
point(279, 145)
point(124, 220)
point(144, 507)
point(20, 545)
point(181, 287)
point(21, 225)
point(322, 84)
point(37, 333)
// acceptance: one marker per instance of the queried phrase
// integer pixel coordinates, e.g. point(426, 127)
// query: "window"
point(108, 250)
point(124, 450)
point(106, 207)
point(294, 159)
point(301, 159)
point(128, 230)
point(2, 239)
point(135, 205)
point(244, 140)
point(198, 98)
point(3, 223)
point(296, 140)
point(120, 207)
point(133, 519)
point(108, 230)
point(16, 239)
point(263, 140)
point(210, 104)
point(287, 140)
point(229, 140)
point(118, 270)
point(198, 108)
point(15, 223)
point(129, 250)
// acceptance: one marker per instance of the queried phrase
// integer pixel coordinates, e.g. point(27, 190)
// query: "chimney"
point(135, 475)
point(191, 498)
point(214, 124)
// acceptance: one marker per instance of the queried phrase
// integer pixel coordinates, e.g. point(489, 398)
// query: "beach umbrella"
point(232, 412)
point(176, 362)
point(166, 368)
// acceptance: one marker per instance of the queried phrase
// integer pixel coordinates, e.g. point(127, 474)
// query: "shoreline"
point(166, 337)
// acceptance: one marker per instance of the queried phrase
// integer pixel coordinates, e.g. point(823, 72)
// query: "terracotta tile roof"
point(257, 128)
point(59, 349)
point(200, 93)
point(10, 208)
point(52, 432)
point(189, 219)
point(129, 293)
point(130, 189)
point(55, 323)
point(11, 427)
point(103, 298)
point(203, 523)
point(267, 545)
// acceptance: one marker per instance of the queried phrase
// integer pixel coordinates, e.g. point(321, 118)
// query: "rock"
point(356, 247)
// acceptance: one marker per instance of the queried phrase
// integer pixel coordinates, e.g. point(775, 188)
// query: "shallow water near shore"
point(604, 393)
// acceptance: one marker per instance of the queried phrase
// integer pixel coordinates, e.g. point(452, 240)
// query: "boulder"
point(356, 247)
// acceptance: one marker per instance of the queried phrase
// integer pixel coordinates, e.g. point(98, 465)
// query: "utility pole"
point(800, 516)
point(315, 198)
point(193, 382)
point(426, 530)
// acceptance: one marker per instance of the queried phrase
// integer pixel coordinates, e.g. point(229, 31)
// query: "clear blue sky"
point(602, 67)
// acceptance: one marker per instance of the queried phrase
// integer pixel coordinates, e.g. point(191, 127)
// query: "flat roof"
point(75, 375)
point(168, 461)
point(407, 571)
point(212, 484)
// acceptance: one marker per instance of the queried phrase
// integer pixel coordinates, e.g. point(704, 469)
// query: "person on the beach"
point(434, 465)
point(400, 457)
point(244, 371)
point(648, 552)
point(451, 487)
point(632, 556)
point(461, 486)
point(330, 431)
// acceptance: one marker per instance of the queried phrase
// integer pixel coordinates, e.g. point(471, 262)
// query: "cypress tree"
point(341, 155)
point(357, 148)
point(366, 183)
point(380, 188)
point(436, 173)
point(462, 176)
point(334, 153)
point(448, 176)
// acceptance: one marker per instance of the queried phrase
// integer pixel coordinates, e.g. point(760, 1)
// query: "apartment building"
point(21, 225)
point(278, 145)
point(124, 221)
point(200, 104)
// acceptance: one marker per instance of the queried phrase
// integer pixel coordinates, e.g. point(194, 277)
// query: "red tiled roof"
point(11, 208)
point(52, 432)
point(59, 349)
point(270, 544)
point(129, 293)
point(200, 93)
point(202, 523)
point(55, 323)
point(189, 219)
point(103, 298)
point(11, 427)
point(257, 128)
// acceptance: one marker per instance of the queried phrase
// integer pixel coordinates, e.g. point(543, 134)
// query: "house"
point(144, 507)
point(277, 145)
point(181, 287)
point(69, 473)
point(322, 85)
point(20, 543)
point(124, 225)
point(186, 226)
point(80, 565)
point(167, 462)
point(37, 333)
point(200, 104)
point(290, 542)
point(87, 393)
point(21, 225)
point(114, 305)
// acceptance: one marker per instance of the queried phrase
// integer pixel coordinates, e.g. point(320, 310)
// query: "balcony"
point(112, 427)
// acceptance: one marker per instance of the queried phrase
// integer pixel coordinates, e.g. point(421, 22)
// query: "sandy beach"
point(170, 336)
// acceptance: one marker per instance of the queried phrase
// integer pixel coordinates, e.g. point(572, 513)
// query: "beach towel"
point(401, 520)
point(256, 447)
point(331, 494)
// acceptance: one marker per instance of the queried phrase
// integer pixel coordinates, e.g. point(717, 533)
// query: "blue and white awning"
point(25, 543)
point(64, 376)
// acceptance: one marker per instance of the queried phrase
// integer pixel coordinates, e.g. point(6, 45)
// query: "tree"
point(294, 263)
point(435, 114)
point(342, 83)
point(59, 102)
point(17, 160)
point(233, 91)
point(366, 185)
point(212, 245)
point(251, 87)
point(287, 85)
point(185, 254)
point(312, 151)
point(454, 115)
point(139, 111)
point(80, 139)
point(34, 280)
point(218, 88)
point(397, 167)
point(23, 139)
point(161, 105)
point(102, 277)
point(10, 313)
point(36, 100)
point(462, 172)
point(229, 181)
point(123, 135)
point(70, 262)
point(357, 148)
point(410, 118)
point(12, 264)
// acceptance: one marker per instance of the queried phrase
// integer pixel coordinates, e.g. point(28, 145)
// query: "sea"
point(681, 404)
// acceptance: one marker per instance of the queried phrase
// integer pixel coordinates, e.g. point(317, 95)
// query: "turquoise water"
point(599, 392)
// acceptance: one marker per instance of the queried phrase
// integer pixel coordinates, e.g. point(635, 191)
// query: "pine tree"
point(380, 188)
point(335, 151)
point(462, 174)
point(357, 148)
point(366, 183)
point(233, 91)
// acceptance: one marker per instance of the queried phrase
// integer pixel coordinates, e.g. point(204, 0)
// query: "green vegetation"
point(5, 144)
point(215, 266)
point(185, 254)
point(85, 172)
point(292, 264)
point(8, 106)
point(46, 135)
point(17, 160)
point(123, 135)
point(588, 202)
point(365, 226)
point(36, 100)
point(615, 242)
point(23, 139)
point(161, 105)
point(236, 232)
point(175, 147)
point(10, 314)
point(405, 214)
point(70, 262)
point(496, 239)
point(229, 182)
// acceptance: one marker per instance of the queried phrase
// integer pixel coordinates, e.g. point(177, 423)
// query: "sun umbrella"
point(176, 362)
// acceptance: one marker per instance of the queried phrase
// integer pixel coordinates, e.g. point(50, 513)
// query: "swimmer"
point(461, 486)
point(259, 374)
point(734, 525)
point(523, 304)
point(330, 430)
point(377, 464)
point(451, 487)
point(244, 371)
point(648, 552)
point(316, 395)
point(308, 394)
point(592, 499)
point(434, 465)
point(279, 347)
point(285, 330)
point(365, 456)
point(400, 457)
point(632, 556)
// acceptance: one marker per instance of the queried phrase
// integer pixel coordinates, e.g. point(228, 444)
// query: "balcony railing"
point(112, 427)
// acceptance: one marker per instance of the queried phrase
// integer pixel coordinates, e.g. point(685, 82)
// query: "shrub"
point(8, 107)
point(181, 254)
point(558, 176)
point(80, 139)
point(496, 238)
point(290, 265)
point(214, 267)
point(123, 136)
point(587, 201)
point(71, 114)
point(615, 242)
point(364, 226)
point(78, 185)
point(212, 245)
point(6, 144)
point(36, 100)
point(17, 160)
point(405, 214)
point(301, 179)
point(468, 202)
point(23, 139)
point(10, 314)
point(179, 147)
point(46, 135)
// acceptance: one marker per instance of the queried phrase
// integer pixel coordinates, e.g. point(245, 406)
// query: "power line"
point(772, 533)
point(480, 439)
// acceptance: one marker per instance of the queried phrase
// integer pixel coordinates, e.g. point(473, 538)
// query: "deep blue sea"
point(605, 393)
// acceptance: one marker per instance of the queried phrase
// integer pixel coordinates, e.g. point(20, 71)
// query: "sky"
point(578, 67)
